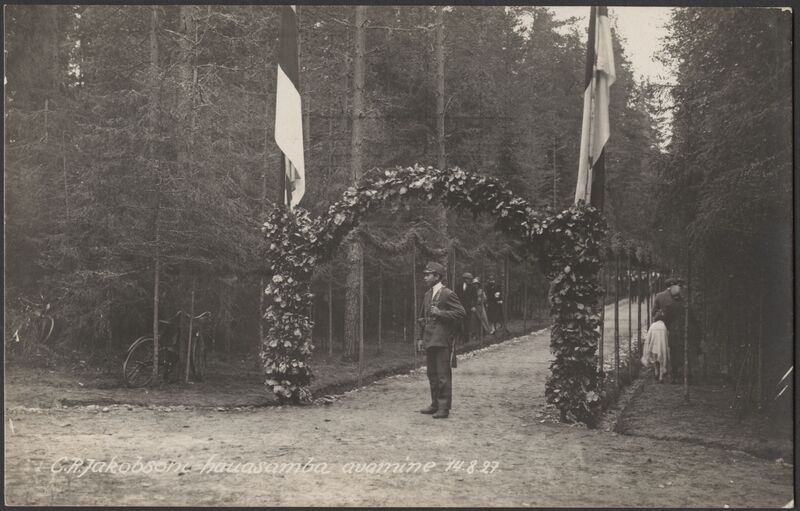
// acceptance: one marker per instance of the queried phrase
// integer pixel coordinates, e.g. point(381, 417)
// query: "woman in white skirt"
point(656, 348)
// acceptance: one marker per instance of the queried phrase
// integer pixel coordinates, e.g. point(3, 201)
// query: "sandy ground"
point(498, 448)
point(233, 380)
point(661, 412)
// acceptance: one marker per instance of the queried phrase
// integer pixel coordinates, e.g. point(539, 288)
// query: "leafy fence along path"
point(566, 244)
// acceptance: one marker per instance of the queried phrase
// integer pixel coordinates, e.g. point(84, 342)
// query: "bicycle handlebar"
point(39, 305)
point(200, 316)
point(170, 320)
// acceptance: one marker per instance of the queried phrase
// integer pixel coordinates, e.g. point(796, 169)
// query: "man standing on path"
point(468, 296)
point(669, 303)
point(440, 317)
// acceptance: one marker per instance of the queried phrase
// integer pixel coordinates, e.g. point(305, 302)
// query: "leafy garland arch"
point(566, 244)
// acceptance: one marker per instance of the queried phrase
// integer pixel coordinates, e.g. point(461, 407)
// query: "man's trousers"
point(676, 356)
point(440, 377)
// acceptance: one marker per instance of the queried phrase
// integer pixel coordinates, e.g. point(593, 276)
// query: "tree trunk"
point(152, 121)
point(730, 351)
point(441, 160)
point(453, 273)
point(268, 99)
point(330, 316)
point(600, 355)
point(380, 306)
point(304, 89)
point(525, 304)
point(46, 124)
point(361, 360)
point(506, 298)
point(110, 312)
point(156, 280)
point(555, 175)
point(704, 331)
point(191, 326)
point(55, 54)
point(616, 323)
point(687, 305)
point(331, 141)
point(185, 124)
point(639, 292)
point(414, 294)
point(760, 356)
point(630, 322)
point(441, 155)
point(649, 295)
point(355, 253)
point(405, 316)
point(64, 169)
point(186, 78)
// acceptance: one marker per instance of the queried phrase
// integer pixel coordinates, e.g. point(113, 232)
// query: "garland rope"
point(409, 239)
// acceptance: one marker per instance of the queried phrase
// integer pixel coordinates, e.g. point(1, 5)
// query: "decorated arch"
point(566, 245)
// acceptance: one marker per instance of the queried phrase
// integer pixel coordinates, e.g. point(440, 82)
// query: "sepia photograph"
point(399, 256)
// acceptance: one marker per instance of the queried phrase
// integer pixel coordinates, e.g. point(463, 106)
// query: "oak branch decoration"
point(567, 246)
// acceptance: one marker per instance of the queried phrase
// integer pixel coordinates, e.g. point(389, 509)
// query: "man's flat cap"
point(435, 268)
point(468, 275)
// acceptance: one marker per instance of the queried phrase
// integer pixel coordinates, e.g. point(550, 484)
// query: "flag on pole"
point(288, 108)
point(600, 75)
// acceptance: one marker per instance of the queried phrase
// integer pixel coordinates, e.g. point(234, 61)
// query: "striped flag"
point(288, 109)
point(600, 75)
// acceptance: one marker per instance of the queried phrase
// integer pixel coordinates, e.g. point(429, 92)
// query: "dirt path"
point(496, 421)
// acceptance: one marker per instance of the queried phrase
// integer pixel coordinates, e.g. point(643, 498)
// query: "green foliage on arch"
point(566, 245)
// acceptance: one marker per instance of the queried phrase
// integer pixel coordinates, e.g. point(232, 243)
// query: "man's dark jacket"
point(468, 297)
point(438, 330)
point(672, 311)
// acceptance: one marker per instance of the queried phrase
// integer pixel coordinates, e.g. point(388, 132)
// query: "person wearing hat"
point(440, 316)
point(468, 296)
point(669, 305)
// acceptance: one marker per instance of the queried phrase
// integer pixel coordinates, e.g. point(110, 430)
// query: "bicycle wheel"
point(28, 335)
point(199, 358)
point(48, 325)
point(137, 370)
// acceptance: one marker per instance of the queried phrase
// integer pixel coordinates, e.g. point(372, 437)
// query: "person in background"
point(439, 318)
point(494, 304)
point(656, 348)
point(670, 304)
point(468, 297)
point(480, 306)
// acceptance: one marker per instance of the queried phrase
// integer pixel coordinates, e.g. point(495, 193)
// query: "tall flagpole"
point(599, 76)
point(282, 189)
point(286, 186)
point(288, 110)
point(591, 41)
point(587, 190)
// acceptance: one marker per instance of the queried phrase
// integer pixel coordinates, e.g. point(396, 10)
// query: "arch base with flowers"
point(566, 245)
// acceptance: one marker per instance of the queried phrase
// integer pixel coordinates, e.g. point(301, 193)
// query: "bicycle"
point(137, 370)
point(36, 327)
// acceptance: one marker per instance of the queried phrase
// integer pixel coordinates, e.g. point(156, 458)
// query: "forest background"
point(139, 142)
